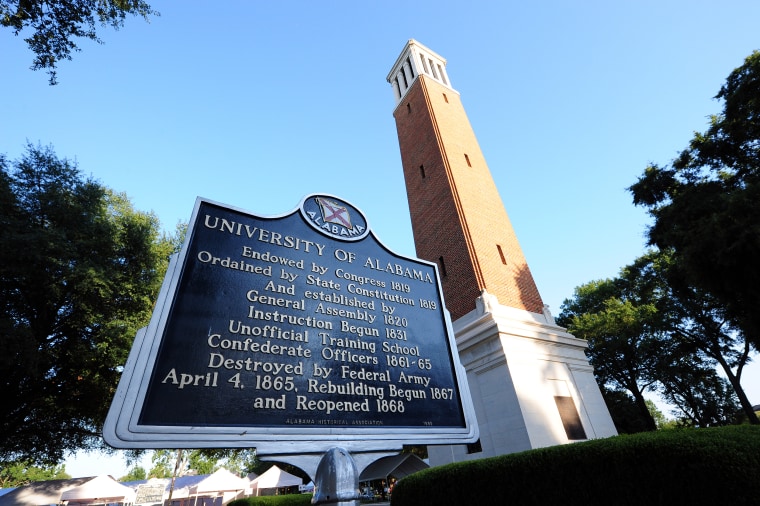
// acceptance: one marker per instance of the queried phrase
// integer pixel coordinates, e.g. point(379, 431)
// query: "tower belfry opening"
point(414, 61)
point(530, 380)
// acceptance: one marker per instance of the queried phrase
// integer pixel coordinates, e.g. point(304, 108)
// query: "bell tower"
point(530, 380)
point(458, 218)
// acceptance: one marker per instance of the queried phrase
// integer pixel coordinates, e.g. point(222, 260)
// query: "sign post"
point(292, 334)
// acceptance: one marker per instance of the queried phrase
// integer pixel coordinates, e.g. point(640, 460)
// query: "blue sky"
point(256, 104)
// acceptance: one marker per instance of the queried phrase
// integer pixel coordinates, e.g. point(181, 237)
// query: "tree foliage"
point(623, 348)
point(202, 461)
point(701, 397)
point(700, 338)
point(136, 473)
point(55, 24)
point(16, 474)
point(626, 413)
point(165, 463)
point(79, 272)
point(706, 204)
point(646, 336)
point(662, 421)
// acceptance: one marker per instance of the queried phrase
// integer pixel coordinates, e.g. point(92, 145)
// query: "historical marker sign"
point(150, 494)
point(284, 332)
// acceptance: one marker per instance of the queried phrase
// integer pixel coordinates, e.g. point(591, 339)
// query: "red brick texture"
point(457, 213)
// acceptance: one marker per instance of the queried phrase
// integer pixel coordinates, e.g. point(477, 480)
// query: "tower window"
point(422, 171)
point(433, 68)
point(443, 77)
point(445, 98)
point(501, 254)
point(411, 68)
point(424, 64)
point(408, 107)
point(443, 266)
point(467, 159)
point(403, 77)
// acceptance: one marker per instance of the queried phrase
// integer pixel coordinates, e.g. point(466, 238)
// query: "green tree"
point(53, 25)
point(658, 416)
point(706, 204)
point(137, 473)
point(625, 413)
point(203, 464)
point(202, 461)
point(703, 398)
point(700, 337)
point(15, 474)
point(239, 461)
point(646, 335)
point(164, 463)
point(622, 346)
point(79, 272)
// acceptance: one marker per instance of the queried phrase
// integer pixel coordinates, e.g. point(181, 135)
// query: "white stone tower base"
point(531, 383)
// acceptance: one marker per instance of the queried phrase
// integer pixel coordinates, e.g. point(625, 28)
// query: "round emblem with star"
point(334, 217)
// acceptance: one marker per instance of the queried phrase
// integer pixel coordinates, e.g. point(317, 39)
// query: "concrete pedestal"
point(531, 383)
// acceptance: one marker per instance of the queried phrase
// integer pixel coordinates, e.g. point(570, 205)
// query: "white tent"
point(275, 477)
point(221, 481)
point(102, 489)
point(40, 492)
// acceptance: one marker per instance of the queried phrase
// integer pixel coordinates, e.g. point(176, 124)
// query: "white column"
point(401, 83)
point(444, 75)
point(408, 73)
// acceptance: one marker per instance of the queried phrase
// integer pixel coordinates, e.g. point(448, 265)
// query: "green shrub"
point(691, 466)
point(274, 500)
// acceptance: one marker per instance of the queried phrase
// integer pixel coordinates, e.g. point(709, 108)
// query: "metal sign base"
point(337, 480)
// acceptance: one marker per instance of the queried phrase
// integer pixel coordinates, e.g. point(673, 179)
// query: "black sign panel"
point(303, 321)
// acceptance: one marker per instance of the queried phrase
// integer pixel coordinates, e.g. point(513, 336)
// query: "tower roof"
point(416, 59)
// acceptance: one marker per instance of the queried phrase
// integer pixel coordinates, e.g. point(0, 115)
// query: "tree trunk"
point(641, 404)
point(736, 384)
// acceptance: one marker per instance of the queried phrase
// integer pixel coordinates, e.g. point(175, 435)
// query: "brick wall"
point(457, 213)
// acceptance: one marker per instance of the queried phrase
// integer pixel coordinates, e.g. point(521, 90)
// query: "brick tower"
point(458, 218)
point(530, 380)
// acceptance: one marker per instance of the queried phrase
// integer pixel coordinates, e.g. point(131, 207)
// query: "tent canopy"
point(397, 466)
point(41, 492)
point(220, 481)
point(275, 477)
point(101, 487)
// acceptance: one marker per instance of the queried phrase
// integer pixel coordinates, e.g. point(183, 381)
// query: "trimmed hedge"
point(673, 467)
point(274, 500)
